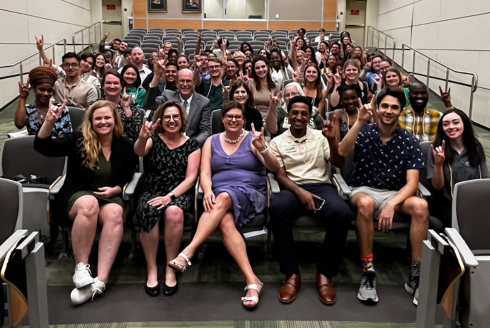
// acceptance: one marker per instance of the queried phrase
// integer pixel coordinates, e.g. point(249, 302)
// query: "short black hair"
point(116, 39)
point(86, 55)
point(70, 55)
point(303, 100)
point(302, 29)
point(394, 92)
point(345, 87)
point(172, 63)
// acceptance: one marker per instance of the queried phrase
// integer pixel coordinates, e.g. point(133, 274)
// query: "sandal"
point(176, 265)
point(255, 299)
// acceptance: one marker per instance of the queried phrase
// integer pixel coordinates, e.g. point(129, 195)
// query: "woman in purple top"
point(233, 178)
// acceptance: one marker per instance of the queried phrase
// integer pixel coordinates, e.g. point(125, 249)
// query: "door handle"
point(354, 25)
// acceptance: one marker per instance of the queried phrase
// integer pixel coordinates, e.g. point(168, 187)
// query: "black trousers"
point(335, 215)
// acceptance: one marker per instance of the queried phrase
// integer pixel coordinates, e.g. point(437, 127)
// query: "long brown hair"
point(270, 84)
point(91, 146)
point(318, 81)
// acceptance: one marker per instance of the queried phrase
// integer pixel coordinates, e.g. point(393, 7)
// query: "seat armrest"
point(130, 187)
point(55, 187)
point(200, 192)
point(344, 189)
point(465, 252)
point(274, 185)
point(422, 192)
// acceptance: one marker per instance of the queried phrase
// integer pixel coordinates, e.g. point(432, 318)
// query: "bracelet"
point(265, 150)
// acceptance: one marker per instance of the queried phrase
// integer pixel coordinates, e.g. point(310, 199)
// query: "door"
point(355, 20)
point(112, 19)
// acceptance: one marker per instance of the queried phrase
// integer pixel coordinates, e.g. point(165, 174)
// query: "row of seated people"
point(232, 168)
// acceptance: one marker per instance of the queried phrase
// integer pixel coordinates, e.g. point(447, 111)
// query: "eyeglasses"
point(67, 65)
point(211, 68)
point(230, 117)
point(175, 117)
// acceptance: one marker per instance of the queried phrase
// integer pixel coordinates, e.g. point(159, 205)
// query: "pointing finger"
point(440, 90)
point(360, 102)
point(253, 128)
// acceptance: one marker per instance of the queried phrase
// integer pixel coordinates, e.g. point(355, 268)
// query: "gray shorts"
point(380, 196)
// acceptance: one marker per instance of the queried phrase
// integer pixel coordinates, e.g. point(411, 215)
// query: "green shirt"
point(212, 92)
point(139, 93)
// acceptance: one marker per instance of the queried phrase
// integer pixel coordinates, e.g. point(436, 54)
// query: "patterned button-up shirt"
point(423, 126)
point(384, 166)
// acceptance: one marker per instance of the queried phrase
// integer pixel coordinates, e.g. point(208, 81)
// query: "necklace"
point(236, 140)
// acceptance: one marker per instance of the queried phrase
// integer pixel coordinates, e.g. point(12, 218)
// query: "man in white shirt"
point(137, 59)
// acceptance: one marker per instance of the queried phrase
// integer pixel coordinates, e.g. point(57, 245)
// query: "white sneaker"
point(82, 276)
point(82, 295)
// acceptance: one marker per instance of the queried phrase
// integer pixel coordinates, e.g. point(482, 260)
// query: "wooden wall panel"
point(329, 10)
point(228, 25)
point(174, 23)
point(278, 25)
point(139, 9)
point(139, 23)
point(330, 26)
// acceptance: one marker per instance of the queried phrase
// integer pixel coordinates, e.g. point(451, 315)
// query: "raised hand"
point(406, 80)
point(226, 91)
point(330, 128)
point(365, 112)
point(24, 89)
point(177, 38)
point(49, 64)
point(292, 42)
point(337, 79)
point(54, 112)
point(40, 43)
point(258, 139)
point(439, 154)
point(378, 81)
point(106, 34)
point(147, 129)
point(446, 96)
point(295, 77)
point(125, 99)
point(330, 80)
point(275, 100)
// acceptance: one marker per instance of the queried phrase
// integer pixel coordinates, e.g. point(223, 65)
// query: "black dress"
point(165, 169)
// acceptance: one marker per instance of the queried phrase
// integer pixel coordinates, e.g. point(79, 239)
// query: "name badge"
point(285, 123)
point(289, 149)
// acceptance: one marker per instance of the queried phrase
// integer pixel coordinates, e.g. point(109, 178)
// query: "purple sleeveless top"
point(242, 176)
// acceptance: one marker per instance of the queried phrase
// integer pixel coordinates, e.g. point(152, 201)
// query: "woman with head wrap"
point(32, 115)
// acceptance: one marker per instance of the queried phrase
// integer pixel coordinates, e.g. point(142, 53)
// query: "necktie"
point(186, 104)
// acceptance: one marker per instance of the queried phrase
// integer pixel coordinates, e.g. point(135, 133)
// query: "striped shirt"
point(423, 126)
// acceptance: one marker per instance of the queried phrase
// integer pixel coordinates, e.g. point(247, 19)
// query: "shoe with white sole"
point(367, 289)
point(82, 295)
point(82, 276)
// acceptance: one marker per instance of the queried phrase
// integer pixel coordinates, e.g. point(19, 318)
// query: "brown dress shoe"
point(289, 289)
point(326, 291)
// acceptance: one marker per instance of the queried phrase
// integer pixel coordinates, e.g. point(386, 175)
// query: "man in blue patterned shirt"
point(385, 179)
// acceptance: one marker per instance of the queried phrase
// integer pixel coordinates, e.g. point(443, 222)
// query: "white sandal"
point(254, 299)
point(176, 265)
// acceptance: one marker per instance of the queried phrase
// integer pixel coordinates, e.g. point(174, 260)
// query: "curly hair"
point(91, 146)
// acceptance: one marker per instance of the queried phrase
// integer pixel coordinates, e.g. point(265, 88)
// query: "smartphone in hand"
point(318, 203)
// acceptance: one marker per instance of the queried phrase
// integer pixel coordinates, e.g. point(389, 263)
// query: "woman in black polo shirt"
point(456, 155)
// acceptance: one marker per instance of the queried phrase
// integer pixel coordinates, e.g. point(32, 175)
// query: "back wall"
point(293, 14)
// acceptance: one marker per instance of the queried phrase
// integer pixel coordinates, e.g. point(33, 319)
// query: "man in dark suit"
point(196, 105)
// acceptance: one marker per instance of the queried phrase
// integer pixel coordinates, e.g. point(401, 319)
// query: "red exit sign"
point(354, 12)
point(113, 7)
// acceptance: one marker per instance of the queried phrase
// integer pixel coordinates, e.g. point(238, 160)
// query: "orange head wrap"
point(42, 74)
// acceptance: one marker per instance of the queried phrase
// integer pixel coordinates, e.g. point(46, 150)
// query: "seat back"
point(77, 116)
point(11, 205)
point(470, 213)
point(19, 157)
point(425, 146)
point(216, 123)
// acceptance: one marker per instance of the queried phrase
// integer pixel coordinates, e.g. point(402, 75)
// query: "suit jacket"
point(199, 117)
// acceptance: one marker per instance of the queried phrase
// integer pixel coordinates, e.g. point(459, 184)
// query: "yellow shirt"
point(423, 126)
point(305, 159)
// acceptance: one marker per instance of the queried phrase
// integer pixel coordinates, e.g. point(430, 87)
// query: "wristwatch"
point(172, 196)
